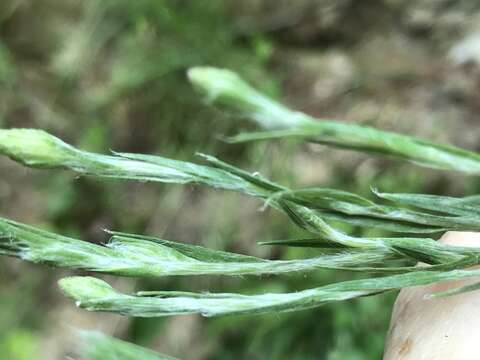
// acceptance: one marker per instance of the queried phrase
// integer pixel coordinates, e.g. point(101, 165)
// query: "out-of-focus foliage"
point(98, 346)
point(19, 344)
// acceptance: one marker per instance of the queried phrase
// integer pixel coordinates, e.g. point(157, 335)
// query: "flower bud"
point(86, 288)
point(226, 89)
point(35, 148)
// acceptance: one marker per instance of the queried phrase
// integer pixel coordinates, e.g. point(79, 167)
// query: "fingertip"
point(461, 238)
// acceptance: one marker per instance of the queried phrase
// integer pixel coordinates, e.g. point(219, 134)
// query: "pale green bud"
point(222, 86)
point(35, 148)
point(86, 288)
point(226, 89)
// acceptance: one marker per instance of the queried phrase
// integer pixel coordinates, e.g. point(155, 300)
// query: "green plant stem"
point(142, 256)
point(227, 90)
point(96, 295)
point(39, 149)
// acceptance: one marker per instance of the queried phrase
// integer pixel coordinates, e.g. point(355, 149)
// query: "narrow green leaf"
point(441, 204)
point(395, 226)
point(142, 256)
point(336, 204)
point(300, 206)
point(226, 89)
point(39, 149)
point(95, 295)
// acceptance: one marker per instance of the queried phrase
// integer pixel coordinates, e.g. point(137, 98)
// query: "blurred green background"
point(111, 75)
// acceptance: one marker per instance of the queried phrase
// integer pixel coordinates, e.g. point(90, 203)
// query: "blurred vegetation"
point(111, 75)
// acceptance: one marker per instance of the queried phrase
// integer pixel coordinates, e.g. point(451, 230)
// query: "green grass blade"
point(36, 148)
point(141, 256)
point(443, 204)
point(301, 206)
point(394, 226)
point(96, 295)
point(39, 149)
point(340, 203)
point(227, 90)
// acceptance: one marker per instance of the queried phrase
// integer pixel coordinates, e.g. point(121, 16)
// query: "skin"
point(437, 329)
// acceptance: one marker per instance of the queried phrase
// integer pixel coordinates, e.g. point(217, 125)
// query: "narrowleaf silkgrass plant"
point(416, 219)
point(311, 209)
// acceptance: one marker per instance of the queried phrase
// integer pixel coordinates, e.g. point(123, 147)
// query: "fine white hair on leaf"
point(277, 121)
point(96, 295)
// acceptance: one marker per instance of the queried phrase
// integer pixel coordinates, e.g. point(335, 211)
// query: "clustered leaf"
point(325, 203)
point(301, 206)
point(142, 256)
point(312, 209)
